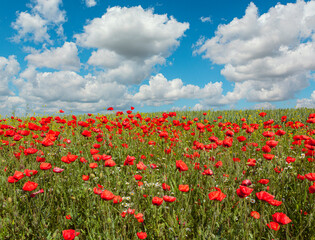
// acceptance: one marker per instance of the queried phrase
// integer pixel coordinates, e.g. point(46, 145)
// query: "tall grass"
point(192, 215)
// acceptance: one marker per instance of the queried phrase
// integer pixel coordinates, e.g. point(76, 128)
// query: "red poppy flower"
point(274, 202)
point(9, 133)
point(250, 130)
point(110, 163)
point(227, 142)
point(241, 138)
point(268, 156)
point(264, 181)
point(65, 159)
point(255, 214)
point(129, 160)
point(35, 193)
point(139, 215)
point(72, 157)
point(30, 173)
point(166, 187)
point(96, 145)
point(142, 235)
point(272, 143)
point(281, 218)
point(17, 154)
point(25, 132)
point(151, 143)
point(94, 151)
point(264, 196)
point(244, 191)
point(97, 157)
point(86, 133)
point(280, 132)
point(251, 162)
point(117, 199)
point(58, 170)
point(229, 133)
point(40, 159)
point(157, 201)
point(246, 182)
point(68, 217)
point(266, 149)
point(311, 189)
point(218, 164)
point(216, 195)
point(47, 142)
point(181, 166)
point(207, 172)
point(138, 177)
point(18, 175)
point(106, 157)
point(30, 186)
point(197, 166)
point(290, 159)
point(183, 188)
point(123, 214)
point(97, 190)
point(30, 151)
point(268, 134)
point(310, 176)
point(69, 234)
point(17, 137)
point(11, 179)
point(107, 195)
point(153, 166)
point(273, 225)
point(141, 166)
point(262, 114)
point(131, 211)
point(45, 166)
point(85, 177)
point(169, 199)
point(93, 165)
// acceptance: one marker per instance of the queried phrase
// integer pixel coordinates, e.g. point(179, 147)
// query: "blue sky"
point(88, 55)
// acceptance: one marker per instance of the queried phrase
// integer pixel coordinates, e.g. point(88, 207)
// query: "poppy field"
point(174, 175)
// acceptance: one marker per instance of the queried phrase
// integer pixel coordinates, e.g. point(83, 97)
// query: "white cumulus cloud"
point(130, 41)
point(34, 26)
point(90, 3)
point(265, 105)
point(70, 90)
point(9, 68)
point(61, 58)
point(306, 102)
point(161, 91)
point(206, 19)
point(30, 27)
point(49, 9)
point(268, 56)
